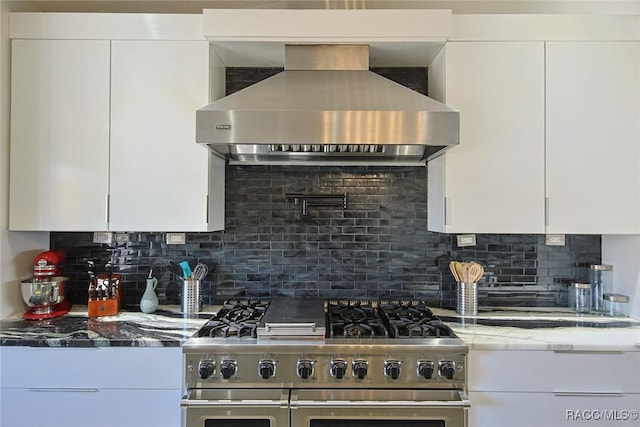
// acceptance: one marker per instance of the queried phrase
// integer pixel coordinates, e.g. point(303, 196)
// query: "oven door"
point(236, 408)
point(379, 408)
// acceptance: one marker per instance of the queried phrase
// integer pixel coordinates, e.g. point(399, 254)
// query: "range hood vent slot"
point(327, 148)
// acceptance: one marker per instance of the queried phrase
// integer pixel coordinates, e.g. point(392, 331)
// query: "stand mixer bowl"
point(41, 295)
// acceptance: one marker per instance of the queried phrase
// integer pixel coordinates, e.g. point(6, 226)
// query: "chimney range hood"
point(327, 108)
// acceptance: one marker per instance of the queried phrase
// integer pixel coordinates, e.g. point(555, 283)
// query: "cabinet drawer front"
point(87, 368)
point(549, 371)
point(96, 408)
point(498, 409)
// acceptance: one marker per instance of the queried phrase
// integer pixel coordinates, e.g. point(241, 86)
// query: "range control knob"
point(266, 368)
point(425, 369)
point(206, 368)
point(228, 368)
point(392, 368)
point(304, 368)
point(447, 369)
point(338, 368)
point(360, 368)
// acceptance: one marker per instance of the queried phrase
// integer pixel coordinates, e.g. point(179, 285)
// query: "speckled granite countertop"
point(492, 329)
point(166, 327)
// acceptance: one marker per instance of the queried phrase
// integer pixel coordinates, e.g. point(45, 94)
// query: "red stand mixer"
point(45, 293)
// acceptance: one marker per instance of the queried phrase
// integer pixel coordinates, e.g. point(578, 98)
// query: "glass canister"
point(601, 278)
point(580, 297)
point(616, 305)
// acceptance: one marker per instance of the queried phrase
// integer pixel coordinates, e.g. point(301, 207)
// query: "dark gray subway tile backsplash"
point(379, 248)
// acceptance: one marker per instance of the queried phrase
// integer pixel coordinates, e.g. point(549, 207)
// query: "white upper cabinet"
point(59, 170)
point(593, 137)
point(103, 132)
point(159, 175)
point(493, 182)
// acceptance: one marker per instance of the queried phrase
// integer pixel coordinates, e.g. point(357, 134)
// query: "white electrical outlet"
point(466, 240)
point(554, 240)
point(176, 238)
point(103, 237)
point(122, 237)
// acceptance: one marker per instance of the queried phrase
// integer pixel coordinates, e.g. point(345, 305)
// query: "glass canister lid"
point(616, 297)
point(581, 285)
point(601, 267)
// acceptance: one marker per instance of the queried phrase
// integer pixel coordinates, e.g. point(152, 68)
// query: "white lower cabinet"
point(497, 409)
point(68, 407)
point(553, 388)
point(99, 387)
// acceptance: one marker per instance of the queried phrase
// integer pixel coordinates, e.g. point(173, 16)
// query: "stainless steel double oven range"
point(313, 363)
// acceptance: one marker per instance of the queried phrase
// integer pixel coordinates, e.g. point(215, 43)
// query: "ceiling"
point(457, 6)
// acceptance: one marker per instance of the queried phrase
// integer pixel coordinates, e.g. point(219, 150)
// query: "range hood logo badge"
point(223, 127)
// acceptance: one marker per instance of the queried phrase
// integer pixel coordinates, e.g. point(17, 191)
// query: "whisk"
point(199, 271)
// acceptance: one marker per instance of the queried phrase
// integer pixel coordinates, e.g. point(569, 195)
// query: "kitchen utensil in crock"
point(454, 271)
point(186, 269)
point(199, 271)
point(474, 272)
point(175, 268)
point(467, 274)
point(457, 270)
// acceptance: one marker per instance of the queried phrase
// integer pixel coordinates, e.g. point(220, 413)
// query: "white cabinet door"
point(159, 175)
point(509, 409)
point(554, 371)
point(59, 135)
point(493, 182)
point(91, 407)
point(593, 137)
point(552, 388)
point(104, 386)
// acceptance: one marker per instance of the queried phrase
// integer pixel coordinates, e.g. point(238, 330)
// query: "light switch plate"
point(466, 240)
point(103, 237)
point(176, 238)
point(554, 240)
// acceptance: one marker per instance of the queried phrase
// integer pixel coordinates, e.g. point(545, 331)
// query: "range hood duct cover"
point(327, 108)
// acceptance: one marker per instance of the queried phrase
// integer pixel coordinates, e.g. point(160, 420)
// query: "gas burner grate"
point(413, 320)
point(228, 329)
point(354, 320)
point(236, 319)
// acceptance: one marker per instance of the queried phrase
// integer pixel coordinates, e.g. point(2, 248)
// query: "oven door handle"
point(186, 403)
point(283, 402)
point(463, 402)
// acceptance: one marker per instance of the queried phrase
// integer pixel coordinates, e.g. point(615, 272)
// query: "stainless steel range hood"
point(327, 108)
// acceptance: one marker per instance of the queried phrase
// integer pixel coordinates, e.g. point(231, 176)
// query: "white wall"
point(623, 253)
point(17, 249)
